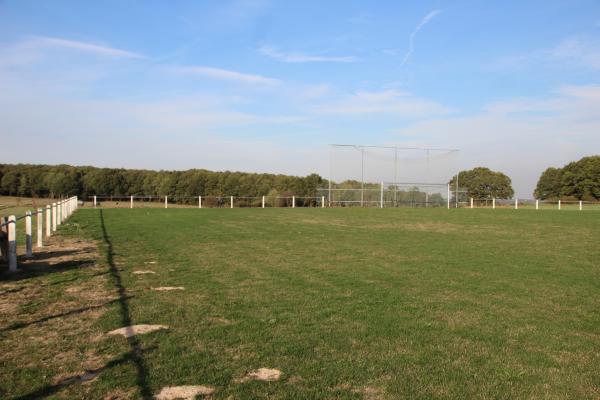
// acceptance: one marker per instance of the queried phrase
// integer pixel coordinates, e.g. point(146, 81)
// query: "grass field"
point(346, 303)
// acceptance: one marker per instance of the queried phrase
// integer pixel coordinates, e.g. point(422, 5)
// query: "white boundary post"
point(166, 202)
point(516, 204)
point(95, 202)
point(231, 201)
point(199, 201)
point(12, 243)
point(58, 213)
point(322, 201)
point(40, 229)
point(494, 203)
point(53, 217)
point(580, 205)
point(293, 201)
point(559, 204)
point(537, 204)
point(471, 202)
point(448, 196)
point(131, 204)
point(48, 220)
point(381, 196)
point(28, 238)
point(263, 202)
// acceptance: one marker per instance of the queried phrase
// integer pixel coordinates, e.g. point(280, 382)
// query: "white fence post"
point(263, 202)
point(231, 202)
point(559, 204)
point(28, 238)
point(293, 201)
point(448, 196)
point(166, 202)
point(381, 196)
point(131, 203)
point(12, 243)
point(48, 220)
point(199, 201)
point(471, 202)
point(58, 214)
point(53, 217)
point(494, 203)
point(95, 202)
point(40, 229)
point(516, 204)
point(537, 204)
point(580, 205)
point(322, 201)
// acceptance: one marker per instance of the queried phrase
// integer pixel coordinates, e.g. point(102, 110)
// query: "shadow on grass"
point(135, 353)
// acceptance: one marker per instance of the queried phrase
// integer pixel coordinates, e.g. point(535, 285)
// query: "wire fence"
point(55, 214)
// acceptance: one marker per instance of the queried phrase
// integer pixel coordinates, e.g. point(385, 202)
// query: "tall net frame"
point(369, 175)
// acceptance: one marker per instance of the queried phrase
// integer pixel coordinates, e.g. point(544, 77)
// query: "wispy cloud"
point(413, 35)
point(224, 74)
point(583, 52)
point(302, 58)
point(43, 41)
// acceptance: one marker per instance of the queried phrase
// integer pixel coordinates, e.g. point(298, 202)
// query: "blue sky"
point(266, 85)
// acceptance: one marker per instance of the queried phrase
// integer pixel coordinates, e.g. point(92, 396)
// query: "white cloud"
point(388, 101)
point(302, 58)
point(413, 35)
point(84, 46)
point(583, 52)
point(224, 74)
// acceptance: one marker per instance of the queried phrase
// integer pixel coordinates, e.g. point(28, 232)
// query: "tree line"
point(29, 180)
point(578, 180)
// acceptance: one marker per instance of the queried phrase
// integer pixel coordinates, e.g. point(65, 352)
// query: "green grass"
point(347, 303)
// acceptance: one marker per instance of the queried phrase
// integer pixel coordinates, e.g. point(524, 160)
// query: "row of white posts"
point(56, 214)
point(537, 204)
point(230, 201)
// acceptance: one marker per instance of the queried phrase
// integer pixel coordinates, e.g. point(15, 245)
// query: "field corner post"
point(40, 228)
point(28, 238)
point(12, 243)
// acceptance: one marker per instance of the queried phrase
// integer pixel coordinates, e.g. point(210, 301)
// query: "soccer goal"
point(391, 176)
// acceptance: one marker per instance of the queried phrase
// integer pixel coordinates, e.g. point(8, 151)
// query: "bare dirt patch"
point(188, 392)
point(167, 288)
point(132, 330)
point(261, 374)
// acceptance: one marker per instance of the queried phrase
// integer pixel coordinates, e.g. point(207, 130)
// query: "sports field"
point(345, 303)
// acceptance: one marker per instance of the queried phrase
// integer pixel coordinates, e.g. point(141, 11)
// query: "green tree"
point(483, 183)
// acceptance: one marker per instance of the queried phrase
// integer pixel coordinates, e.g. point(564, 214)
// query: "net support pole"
point(28, 238)
point(381, 196)
point(12, 243)
point(40, 229)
